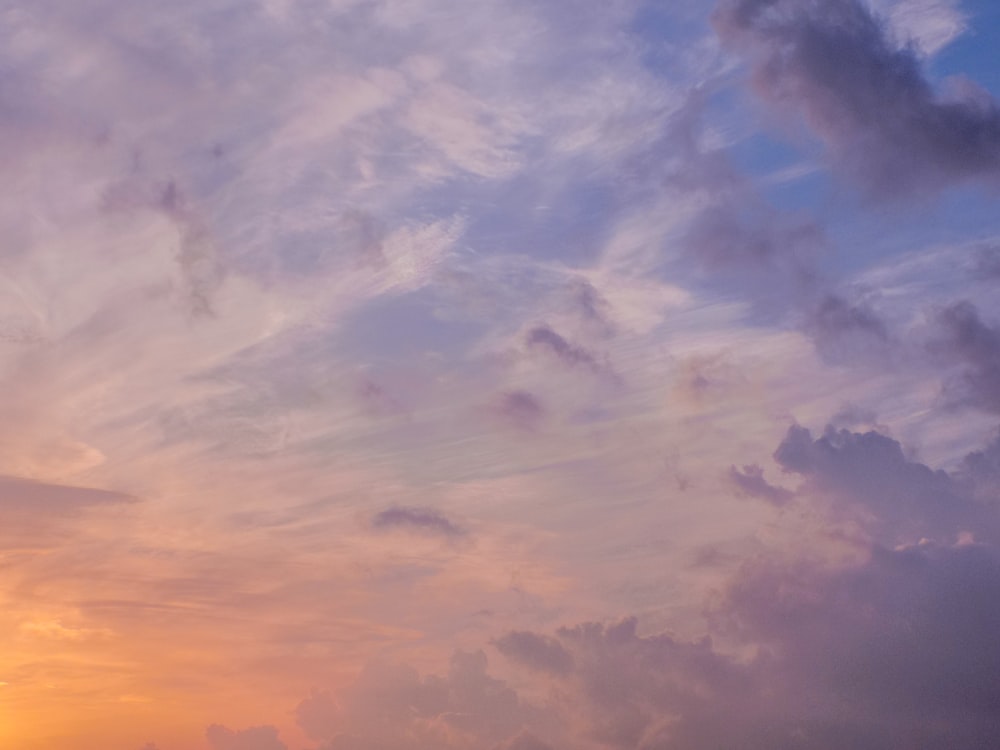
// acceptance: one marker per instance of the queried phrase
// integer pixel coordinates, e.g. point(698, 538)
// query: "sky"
point(499, 375)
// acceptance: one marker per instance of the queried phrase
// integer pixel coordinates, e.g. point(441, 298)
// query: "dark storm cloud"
point(834, 62)
point(417, 519)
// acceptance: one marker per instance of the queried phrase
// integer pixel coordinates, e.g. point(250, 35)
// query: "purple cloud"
point(976, 346)
point(833, 62)
point(867, 476)
point(844, 332)
point(391, 707)
point(535, 651)
point(426, 520)
point(897, 650)
point(544, 339)
point(750, 481)
point(521, 409)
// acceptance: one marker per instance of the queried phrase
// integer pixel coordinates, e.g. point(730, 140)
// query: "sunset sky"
point(499, 374)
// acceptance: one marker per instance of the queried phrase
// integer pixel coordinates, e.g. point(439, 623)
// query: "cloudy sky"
point(499, 375)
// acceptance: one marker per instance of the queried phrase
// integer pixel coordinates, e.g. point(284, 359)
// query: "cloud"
point(29, 496)
point(975, 346)
point(894, 650)
point(901, 643)
point(524, 741)
point(391, 707)
point(867, 477)
point(318, 715)
point(417, 519)
point(987, 263)
point(544, 339)
point(893, 646)
point(845, 332)
point(730, 236)
point(255, 738)
point(833, 62)
point(38, 513)
point(520, 409)
point(930, 24)
point(980, 469)
point(750, 481)
point(535, 651)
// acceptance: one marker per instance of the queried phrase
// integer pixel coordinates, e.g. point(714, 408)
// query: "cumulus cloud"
point(391, 707)
point(900, 643)
point(834, 62)
point(895, 650)
point(868, 477)
point(893, 646)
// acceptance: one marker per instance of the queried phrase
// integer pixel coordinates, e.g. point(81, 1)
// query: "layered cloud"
point(400, 374)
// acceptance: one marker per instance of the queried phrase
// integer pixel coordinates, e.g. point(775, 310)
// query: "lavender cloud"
point(750, 481)
point(535, 651)
point(426, 520)
point(392, 707)
point(833, 62)
point(520, 409)
point(544, 339)
point(975, 346)
point(899, 499)
point(987, 263)
point(845, 332)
